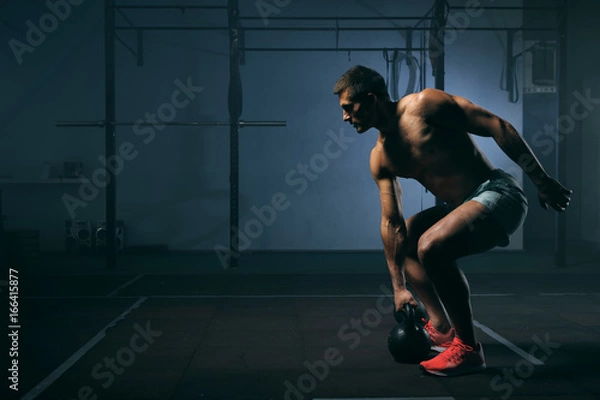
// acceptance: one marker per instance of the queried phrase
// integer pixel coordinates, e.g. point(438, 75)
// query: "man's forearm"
point(515, 147)
point(393, 235)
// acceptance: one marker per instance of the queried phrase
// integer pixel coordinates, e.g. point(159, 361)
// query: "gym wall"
point(175, 190)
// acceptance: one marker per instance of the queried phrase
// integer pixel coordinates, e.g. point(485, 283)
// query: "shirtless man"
point(425, 136)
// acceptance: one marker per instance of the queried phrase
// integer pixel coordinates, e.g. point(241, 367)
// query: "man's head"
point(360, 91)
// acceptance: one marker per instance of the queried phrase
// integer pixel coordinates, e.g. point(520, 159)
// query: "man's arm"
point(393, 227)
point(460, 114)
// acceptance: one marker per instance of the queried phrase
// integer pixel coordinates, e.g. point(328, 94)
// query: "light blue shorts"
point(505, 200)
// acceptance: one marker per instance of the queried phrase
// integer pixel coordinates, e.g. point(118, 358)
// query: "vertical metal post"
point(3, 248)
point(235, 111)
point(560, 255)
point(110, 142)
point(510, 84)
point(440, 56)
point(439, 13)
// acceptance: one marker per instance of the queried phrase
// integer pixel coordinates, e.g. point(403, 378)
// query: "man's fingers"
point(563, 201)
point(558, 207)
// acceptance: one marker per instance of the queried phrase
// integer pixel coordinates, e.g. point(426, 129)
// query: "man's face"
point(358, 113)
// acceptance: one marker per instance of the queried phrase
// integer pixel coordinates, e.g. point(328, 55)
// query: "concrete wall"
point(174, 189)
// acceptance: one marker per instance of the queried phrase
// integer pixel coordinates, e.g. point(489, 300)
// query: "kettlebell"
point(420, 314)
point(408, 341)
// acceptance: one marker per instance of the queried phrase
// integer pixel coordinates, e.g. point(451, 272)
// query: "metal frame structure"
point(235, 30)
point(560, 252)
point(110, 133)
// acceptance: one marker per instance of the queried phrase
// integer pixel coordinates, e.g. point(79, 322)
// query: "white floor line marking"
point(243, 296)
point(111, 294)
point(54, 375)
point(564, 294)
point(386, 398)
point(510, 345)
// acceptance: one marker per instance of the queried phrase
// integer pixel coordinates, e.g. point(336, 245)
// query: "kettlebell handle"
point(410, 313)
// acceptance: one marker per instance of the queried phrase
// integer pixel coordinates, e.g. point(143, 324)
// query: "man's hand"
point(553, 194)
point(402, 297)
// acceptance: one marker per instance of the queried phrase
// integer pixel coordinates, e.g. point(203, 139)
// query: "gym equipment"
point(420, 314)
point(409, 342)
point(78, 237)
point(101, 233)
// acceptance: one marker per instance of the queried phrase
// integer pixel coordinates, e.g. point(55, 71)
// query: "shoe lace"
point(433, 333)
point(456, 351)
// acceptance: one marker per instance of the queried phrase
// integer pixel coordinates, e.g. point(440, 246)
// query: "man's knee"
point(430, 248)
point(415, 227)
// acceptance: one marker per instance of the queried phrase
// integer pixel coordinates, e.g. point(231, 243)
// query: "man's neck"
point(388, 123)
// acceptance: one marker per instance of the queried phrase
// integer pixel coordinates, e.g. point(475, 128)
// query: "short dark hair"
point(360, 80)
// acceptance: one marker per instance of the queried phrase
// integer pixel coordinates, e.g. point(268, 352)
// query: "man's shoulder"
point(424, 102)
point(431, 95)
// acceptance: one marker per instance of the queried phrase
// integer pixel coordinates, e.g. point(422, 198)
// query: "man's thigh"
point(466, 230)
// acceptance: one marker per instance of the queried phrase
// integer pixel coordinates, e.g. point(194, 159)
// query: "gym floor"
point(155, 328)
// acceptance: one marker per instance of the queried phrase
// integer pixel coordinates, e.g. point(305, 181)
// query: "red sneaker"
point(439, 341)
point(458, 359)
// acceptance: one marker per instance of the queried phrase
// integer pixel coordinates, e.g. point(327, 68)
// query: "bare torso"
point(447, 163)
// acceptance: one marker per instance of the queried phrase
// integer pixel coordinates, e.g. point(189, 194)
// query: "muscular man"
point(425, 136)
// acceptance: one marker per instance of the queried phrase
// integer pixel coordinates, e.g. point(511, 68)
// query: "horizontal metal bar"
point(356, 49)
point(149, 7)
point(332, 18)
point(328, 28)
point(172, 28)
point(408, 28)
point(507, 8)
point(315, 29)
point(101, 124)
